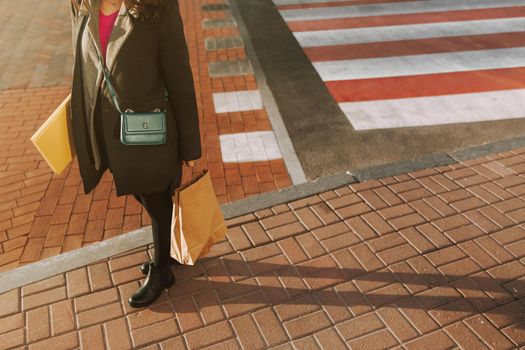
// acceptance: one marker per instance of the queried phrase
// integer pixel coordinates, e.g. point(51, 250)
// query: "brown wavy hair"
point(148, 10)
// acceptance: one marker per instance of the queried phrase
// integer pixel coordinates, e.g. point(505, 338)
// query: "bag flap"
point(144, 122)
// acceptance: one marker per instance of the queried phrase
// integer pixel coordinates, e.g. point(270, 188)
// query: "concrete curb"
point(74, 259)
point(405, 166)
point(265, 200)
point(489, 148)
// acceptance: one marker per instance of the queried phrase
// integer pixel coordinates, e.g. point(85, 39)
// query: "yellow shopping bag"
point(197, 220)
point(54, 138)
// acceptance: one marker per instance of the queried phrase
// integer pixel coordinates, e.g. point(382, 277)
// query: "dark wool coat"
point(144, 59)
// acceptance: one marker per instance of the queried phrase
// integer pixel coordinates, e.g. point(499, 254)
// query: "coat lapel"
point(78, 18)
point(77, 24)
point(119, 34)
point(92, 24)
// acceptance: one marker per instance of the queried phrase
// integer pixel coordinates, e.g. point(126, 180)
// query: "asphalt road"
point(364, 85)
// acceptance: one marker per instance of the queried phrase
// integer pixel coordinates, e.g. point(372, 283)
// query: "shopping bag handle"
point(190, 177)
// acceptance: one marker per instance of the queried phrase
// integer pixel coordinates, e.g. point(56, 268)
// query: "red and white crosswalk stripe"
point(393, 64)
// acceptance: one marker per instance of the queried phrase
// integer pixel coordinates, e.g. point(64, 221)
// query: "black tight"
point(159, 207)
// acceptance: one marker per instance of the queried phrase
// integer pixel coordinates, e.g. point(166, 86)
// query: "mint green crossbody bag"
point(138, 128)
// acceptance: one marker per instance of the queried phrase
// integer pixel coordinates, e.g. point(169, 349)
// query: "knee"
point(157, 204)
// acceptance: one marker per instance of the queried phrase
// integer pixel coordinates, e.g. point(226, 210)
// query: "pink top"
point(105, 25)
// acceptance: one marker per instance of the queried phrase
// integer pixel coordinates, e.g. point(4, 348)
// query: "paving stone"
point(488, 333)
point(360, 326)
point(306, 324)
point(464, 337)
point(117, 334)
point(65, 341)
point(62, 317)
point(221, 43)
point(380, 339)
point(215, 7)
point(93, 300)
point(210, 334)
point(248, 333)
point(270, 326)
point(230, 68)
point(437, 339)
point(10, 323)
point(99, 314)
point(92, 337)
point(44, 298)
point(38, 326)
point(330, 339)
point(45, 284)
point(219, 23)
point(397, 323)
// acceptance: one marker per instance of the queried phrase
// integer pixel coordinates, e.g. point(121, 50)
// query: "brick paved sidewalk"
point(433, 259)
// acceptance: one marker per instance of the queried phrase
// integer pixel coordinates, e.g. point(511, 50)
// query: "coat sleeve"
point(178, 78)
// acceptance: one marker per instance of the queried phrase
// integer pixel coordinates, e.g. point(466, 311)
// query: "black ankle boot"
point(158, 279)
point(144, 268)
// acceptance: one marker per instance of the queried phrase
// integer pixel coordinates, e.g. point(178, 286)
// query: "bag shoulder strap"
point(111, 89)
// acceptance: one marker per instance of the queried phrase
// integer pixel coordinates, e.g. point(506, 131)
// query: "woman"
point(143, 45)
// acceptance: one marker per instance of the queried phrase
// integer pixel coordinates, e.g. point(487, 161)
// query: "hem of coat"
point(172, 185)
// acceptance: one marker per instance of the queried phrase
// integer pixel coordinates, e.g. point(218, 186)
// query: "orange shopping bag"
point(197, 220)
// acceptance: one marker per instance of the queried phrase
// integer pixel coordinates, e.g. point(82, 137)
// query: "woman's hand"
point(189, 163)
